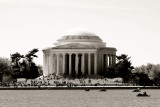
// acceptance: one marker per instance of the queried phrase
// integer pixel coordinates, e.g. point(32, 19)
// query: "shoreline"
point(77, 88)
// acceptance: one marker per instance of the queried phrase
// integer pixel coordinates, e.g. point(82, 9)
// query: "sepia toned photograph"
point(79, 53)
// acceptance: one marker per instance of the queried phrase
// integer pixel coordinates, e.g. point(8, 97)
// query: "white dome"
point(79, 35)
point(82, 36)
point(78, 32)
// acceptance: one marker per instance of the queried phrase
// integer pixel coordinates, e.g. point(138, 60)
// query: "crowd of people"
point(54, 80)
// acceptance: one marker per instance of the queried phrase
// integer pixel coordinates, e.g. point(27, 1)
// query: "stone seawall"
point(78, 88)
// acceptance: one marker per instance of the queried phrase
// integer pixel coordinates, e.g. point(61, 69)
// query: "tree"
point(141, 78)
point(15, 61)
point(155, 74)
point(40, 70)
point(148, 72)
point(5, 67)
point(33, 73)
point(32, 68)
point(124, 67)
point(31, 54)
point(23, 65)
point(110, 72)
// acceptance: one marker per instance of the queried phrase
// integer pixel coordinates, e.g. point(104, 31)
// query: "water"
point(77, 98)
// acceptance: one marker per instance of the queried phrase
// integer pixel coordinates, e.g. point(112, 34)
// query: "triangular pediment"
point(74, 45)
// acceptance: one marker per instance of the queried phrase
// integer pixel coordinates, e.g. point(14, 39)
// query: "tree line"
point(23, 66)
point(146, 75)
point(150, 73)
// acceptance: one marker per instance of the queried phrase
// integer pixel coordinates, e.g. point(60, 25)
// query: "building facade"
point(78, 52)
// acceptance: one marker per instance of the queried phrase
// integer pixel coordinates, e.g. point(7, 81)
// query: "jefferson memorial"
point(78, 52)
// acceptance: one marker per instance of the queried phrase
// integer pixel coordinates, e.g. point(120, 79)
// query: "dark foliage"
point(151, 71)
point(143, 79)
point(5, 67)
point(124, 67)
point(110, 72)
point(25, 68)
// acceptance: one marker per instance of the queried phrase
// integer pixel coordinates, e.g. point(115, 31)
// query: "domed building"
point(78, 52)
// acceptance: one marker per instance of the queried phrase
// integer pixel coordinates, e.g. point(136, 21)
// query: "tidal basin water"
point(78, 98)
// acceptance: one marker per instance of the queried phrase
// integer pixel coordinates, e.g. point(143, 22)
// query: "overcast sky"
point(131, 26)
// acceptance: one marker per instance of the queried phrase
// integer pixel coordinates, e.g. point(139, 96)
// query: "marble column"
point(95, 63)
point(54, 63)
point(110, 60)
point(44, 65)
point(82, 64)
point(77, 60)
point(113, 59)
point(106, 60)
point(102, 57)
point(57, 64)
point(70, 69)
point(47, 64)
point(64, 62)
point(50, 64)
point(89, 63)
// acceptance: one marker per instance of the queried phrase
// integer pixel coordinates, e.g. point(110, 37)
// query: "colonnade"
point(76, 63)
point(109, 59)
